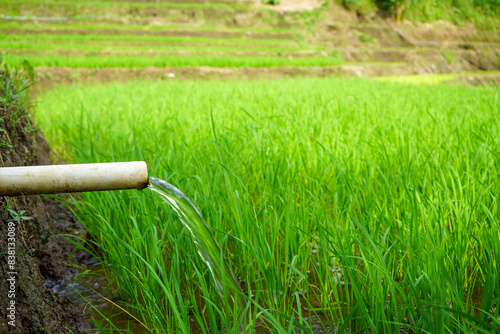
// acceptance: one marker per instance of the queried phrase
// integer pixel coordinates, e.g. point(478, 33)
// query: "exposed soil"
point(401, 63)
point(476, 80)
point(39, 253)
point(49, 77)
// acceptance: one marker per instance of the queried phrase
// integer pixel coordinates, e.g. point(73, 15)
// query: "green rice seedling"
point(346, 205)
point(134, 27)
point(134, 47)
point(148, 38)
point(97, 3)
point(95, 61)
point(434, 78)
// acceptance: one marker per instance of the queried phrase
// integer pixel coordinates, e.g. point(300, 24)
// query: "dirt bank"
point(30, 251)
point(51, 77)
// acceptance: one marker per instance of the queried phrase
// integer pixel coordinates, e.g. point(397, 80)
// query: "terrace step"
point(386, 35)
point(185, 33)
point(48, 75)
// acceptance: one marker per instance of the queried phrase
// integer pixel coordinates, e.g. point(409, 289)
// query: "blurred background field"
point(345, 38)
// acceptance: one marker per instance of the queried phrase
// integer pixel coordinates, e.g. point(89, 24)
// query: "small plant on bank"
point(450, 56)
point(365, 38)
point(15, 80)
point(18, 216)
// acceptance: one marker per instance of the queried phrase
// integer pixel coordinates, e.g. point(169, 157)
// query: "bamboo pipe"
point(15, 181)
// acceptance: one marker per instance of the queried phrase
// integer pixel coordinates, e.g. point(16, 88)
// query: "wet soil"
point(38, 253)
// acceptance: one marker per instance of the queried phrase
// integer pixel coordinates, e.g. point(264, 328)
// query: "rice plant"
point(345, 205)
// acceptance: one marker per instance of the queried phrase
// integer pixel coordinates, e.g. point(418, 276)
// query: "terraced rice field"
point(229, 34)
point(75, 47)
point(103, 41)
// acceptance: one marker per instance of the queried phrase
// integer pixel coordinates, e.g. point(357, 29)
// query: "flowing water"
point(91, 288)
point(207, 246)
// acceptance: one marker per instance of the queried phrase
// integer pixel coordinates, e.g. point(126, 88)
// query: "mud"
point(39, 253)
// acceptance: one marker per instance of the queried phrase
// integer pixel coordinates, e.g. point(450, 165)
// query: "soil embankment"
point(31, 252)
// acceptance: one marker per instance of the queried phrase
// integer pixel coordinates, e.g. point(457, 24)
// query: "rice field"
point(341, 205)
point(97, 44)
point(106, 48)
point(97, 34)
point(40, 31)
point(124, 4)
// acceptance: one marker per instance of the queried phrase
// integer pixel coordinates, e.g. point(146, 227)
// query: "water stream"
point(207, 246)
